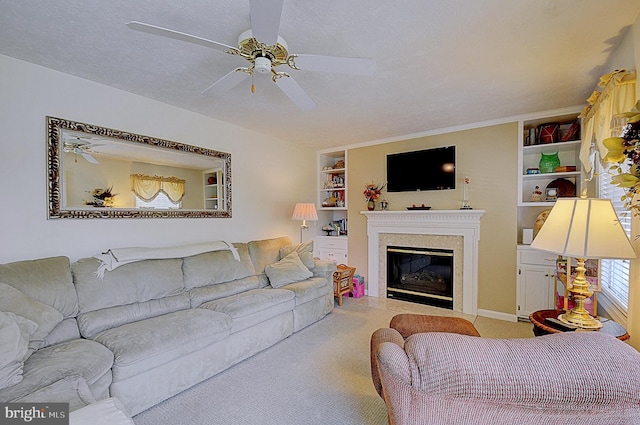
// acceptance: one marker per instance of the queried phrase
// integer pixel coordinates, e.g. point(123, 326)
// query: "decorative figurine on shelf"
point(384, 204)
point(536, 196)
point(329, 229)
point(465, 195)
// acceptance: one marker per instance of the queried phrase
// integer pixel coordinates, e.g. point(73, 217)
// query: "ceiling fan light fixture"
point(262, 65)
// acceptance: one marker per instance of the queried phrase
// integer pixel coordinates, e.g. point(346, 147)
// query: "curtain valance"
point(618, 95)
point(148, 187)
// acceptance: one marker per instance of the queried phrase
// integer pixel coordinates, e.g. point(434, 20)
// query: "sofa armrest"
point(393, 369)
point(109, 411)
point(324, 269)
point(378, 337)
point(409, 324)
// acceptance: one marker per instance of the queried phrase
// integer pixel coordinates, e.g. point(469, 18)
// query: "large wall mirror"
point(97, 172)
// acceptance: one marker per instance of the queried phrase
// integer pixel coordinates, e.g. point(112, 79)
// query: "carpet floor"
point(318, 376)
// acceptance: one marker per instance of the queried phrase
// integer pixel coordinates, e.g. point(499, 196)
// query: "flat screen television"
point(429, 169)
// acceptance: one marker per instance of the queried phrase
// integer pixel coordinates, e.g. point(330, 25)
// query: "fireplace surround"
point(457, 230)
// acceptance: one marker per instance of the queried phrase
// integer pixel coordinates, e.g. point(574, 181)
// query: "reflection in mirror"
point(97, 172)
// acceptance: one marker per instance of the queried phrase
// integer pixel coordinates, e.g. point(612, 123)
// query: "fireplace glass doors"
point(422, 275)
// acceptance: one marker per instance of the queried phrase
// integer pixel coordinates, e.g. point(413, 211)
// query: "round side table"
point(541, 327)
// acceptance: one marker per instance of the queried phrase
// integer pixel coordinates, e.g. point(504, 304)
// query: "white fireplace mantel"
point(465, 223)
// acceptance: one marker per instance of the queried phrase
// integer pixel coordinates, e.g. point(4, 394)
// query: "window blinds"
point(615, 273)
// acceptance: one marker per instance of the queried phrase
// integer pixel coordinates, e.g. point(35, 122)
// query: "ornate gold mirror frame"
point(84, 158)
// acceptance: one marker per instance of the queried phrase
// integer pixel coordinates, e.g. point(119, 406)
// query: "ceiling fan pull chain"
point(253, 88)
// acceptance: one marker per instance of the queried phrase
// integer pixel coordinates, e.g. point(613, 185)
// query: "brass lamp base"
point(579, 288)
point(581, 320)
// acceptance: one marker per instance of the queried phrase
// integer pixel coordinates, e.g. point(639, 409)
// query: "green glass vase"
point(549, 162)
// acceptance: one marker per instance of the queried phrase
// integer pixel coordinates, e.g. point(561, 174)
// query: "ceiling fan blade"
point(265, 20)
point(89, 158)
point(176, 35)
point(226, 83)
point(340, 65)
point(294, 92)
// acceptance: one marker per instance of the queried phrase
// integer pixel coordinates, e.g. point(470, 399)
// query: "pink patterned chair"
point(445, 378)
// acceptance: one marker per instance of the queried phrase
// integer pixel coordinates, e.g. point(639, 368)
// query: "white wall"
point(269, 175)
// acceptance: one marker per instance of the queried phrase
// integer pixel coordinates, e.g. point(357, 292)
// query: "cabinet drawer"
point(533, 256)
point(330, 242)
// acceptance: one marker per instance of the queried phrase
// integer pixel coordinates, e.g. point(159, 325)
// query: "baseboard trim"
point(497, 315)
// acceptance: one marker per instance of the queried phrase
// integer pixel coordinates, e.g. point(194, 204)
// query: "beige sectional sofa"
point(149, 329)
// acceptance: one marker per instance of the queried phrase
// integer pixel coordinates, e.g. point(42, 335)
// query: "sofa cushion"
point(136, 282)
point(288, 270)
point(93, 322)
point(78, 357)
point(308, 289)
point(267, 251)
point(252, 307)
point(220, 290)
point(64, 331)
point(15, 332)
point(482, 369)
point(217, 267)
point(147, 344)
point(304, 250)
point(47, 280)
point(44, 316)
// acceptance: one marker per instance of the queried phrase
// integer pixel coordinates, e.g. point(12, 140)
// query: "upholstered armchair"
point(442, 378)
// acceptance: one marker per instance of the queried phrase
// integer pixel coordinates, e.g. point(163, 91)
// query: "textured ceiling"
point(440, 63)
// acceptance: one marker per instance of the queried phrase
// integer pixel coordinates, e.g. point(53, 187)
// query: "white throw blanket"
point(117, 257)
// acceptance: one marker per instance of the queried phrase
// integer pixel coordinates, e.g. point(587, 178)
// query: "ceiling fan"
point(79, 146)
point(265, 50)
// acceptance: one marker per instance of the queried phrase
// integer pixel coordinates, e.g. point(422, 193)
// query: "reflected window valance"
point(148, 187)
point(618, 95)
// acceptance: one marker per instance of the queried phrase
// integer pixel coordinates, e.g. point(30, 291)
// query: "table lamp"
point(304, 212)
point(583, 228)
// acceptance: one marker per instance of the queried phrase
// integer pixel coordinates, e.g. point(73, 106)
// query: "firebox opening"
point(422, 275)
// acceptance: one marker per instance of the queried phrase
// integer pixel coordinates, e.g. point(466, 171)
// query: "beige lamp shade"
point(305, 212)
point(584, 228)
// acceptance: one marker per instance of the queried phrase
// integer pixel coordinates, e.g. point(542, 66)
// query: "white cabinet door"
point(331, 248)
point(338, 256)
point(535, 289)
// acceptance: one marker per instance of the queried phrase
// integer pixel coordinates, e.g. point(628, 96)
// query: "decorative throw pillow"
point(288, 270)
point(45, 317)
point(304, 250)
point(15, 332)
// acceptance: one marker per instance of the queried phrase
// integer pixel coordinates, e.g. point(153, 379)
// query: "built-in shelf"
point(529, 158)
point(332, 181)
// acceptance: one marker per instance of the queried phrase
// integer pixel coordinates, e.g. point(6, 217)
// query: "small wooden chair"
point(343, 281)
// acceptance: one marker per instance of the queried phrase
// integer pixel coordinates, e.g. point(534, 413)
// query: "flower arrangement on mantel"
point(626, 150)
point(102, 197)
point(371, 194)
point(372, 191)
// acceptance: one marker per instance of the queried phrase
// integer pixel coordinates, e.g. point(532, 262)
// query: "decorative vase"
point(371, 205)
point(549, 162)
